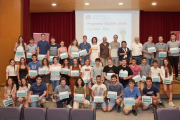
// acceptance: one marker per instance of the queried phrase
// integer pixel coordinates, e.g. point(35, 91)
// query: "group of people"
point(105, 69)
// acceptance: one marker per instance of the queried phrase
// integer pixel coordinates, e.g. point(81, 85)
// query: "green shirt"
point(80, 90)
point(160, 46)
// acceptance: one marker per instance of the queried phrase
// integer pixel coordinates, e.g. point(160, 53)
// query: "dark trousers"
point(174, 60)
point(59, 103)
point(31, 81)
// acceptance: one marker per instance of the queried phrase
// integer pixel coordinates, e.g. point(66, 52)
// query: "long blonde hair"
point(18, 43)
point(73, 43)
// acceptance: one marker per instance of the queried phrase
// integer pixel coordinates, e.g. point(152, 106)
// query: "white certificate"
point(146, 99)
point(29, 55)
point(109, 75)
point(65, 71)
point(155, 79)
point(51, 58)
point(8, 102)
point(63, 95)
point(32, 72)
point(42, 71)
point(151, 49)
point(34, 98)
point(123, 73)
point(98, 99)
point(75, 54)
point(83, 52)
point(20, 52)
point(143, 78)
point(64, 55)
point(137, 78)
point(129, 101)
point(41, 57)
point(162, 54)
point(22, 93)
point(114, 52)
point(112, 94)
point(174, 50)
point(85, 80)
point(79, 97)
point(75, 73)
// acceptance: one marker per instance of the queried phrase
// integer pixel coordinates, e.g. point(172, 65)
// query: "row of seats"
point(14, 113)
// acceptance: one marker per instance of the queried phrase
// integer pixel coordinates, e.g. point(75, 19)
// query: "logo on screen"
point(88, 17)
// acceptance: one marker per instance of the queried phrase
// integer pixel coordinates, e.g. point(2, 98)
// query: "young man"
point(145, 71)
point(160, 47)
point(104, 51)
point(53, 49)
point(115, 87)
point(114, 46)
point(174, 57)
point(34, 65)
point(99, 89)
point(62, 88)
point(132, 92)
point(150, 90)
point(31, 48)
point(110, 68)
point(148, 55)
point(38, 88)
point(136, 50)
point(123, 67)
point(85, 45)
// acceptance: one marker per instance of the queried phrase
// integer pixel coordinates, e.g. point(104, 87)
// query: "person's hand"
point(169, 52)
point(150, 52)
point(124, 78)
point(19, 80)
point(58, 96)
point(89, 80)
point(40, 98)
point(59, 56)
point(142, 80)
point(137, 100)
point(80, 59)
point(45, 56)
point(29, 101)
point(84, 55)
point(100, 59)
point(125, 53)
point(118, 97)
point(74, 99)
point(6, 97)
point(153, 97)
point(160, 49)
point(123, 102)
point(83, 100)
point(109, 80)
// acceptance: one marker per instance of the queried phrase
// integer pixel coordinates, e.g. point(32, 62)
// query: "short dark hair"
point(95, 39)
point(148, 78)
point(31, 38)
point(97, 59)
point(131, 80)
point(63, 78)
point(123, 42)
point(98, 76)
point(144, 58)
point(84, 36)
point(134, 59)
point(53, 38)
point(43, 34)
point(39, 77)
point(155, 61)
point(82, 84)
point(160, 36)
point(124, 59)
point(34, 55)
point(113, 76)
point(150, 36)
point(173, 34)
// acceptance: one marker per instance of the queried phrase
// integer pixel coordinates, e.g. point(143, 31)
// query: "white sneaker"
point(68, 106)
point(21, 105)
point(171, 104)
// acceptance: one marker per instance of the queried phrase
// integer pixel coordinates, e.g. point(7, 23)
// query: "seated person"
point(62, 88)
point(115, 87)
point(132, 92)
point(150, 90)
point(38, 88)
point(99, 89)
point(24, 86)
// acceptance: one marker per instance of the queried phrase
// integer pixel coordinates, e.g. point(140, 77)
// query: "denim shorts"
point(112, 102)
point(103, 104)
point(83, 59)
point(35, 104)
point(89, 83)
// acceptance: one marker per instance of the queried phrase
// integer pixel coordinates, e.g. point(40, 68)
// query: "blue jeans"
point(138, 58)
point(55, 83)
point(35, 104)
point(157, 84)
point(83, 59)
point(149, 61)
point(71, 61)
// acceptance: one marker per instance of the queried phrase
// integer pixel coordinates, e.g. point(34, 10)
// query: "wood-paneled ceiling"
point(71, 5)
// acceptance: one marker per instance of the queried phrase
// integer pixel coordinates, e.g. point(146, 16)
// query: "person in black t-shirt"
point(150, 90)
point(122, 68)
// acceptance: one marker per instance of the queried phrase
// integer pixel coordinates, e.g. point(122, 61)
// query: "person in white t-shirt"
point(24, 86)
point(95, 50)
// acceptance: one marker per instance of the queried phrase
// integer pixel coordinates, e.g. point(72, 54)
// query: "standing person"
point(53, 49)
point(114, 46)
point(67, 66)
point(31, 48)
point(73, 79)
point(122, 68)
point(160, 47)
point(10, 90)
point(24, 86)
point(73, 48)
point(85, 46)
point(115, 87)
point(55, 79)
point(99, 89)
point(46, 77)
point(104, 51)
point(110, 68)
point(34, 65)
point(150, 90)
point(136, 50)
point(62, 49)
point(132, 92)
point(95, 50)
point(148, 55)
point(124, 52)
point(38, 88)
point(174, 57)
point(22, 70)
point(19, 46)
point(167, 73)
point(62, 88)
point(11, 72)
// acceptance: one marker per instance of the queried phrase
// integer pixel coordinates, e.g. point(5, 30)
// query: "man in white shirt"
point(136, 50)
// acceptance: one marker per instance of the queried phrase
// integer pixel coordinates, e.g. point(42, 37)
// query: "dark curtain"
point(26, 20)
point(60, 25)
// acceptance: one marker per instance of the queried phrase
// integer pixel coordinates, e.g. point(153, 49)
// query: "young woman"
point(22, 70)
point(67, 66)
point(95, 50)
point(73, 79)
point(24, 86)
point(73, 48)
point(62, 49)
point(55, 78)
point(19, 46)
point(167, 73)
point(80, 88)
point(46, 77)
point(10, 90)
point(11, 71)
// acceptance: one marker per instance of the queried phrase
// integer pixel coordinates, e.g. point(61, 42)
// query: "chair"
point(58, 114)
point(83, 114)
point(166, 114)
point(10, 113)
point(34, 114)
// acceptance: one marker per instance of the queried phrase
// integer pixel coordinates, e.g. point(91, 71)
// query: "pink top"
point(135, 69)
point(62, 50)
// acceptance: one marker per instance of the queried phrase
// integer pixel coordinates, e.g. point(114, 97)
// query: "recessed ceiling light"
point(86, 3)
point(153, 3)
point(54, 4)
point(120, 3)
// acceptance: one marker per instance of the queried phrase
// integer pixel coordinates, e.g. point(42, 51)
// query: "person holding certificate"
point(167, 77)
point(174, 45)
point(116, 88)
point(37, 93)
point(152, 93)
point(10, 91)
point(22, 70)
point(31, 49)
point(95, 50)
point(24, 87)
point(135, 95)
point(66, 68)
point(99, 93)
point(62, 49)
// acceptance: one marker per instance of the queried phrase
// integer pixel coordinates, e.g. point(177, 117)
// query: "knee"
point(43, 101)
point(118, 101)
point(104, 109)
point(20, 100)
point(126, 112)
point(155, 102)
point(109, 109)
